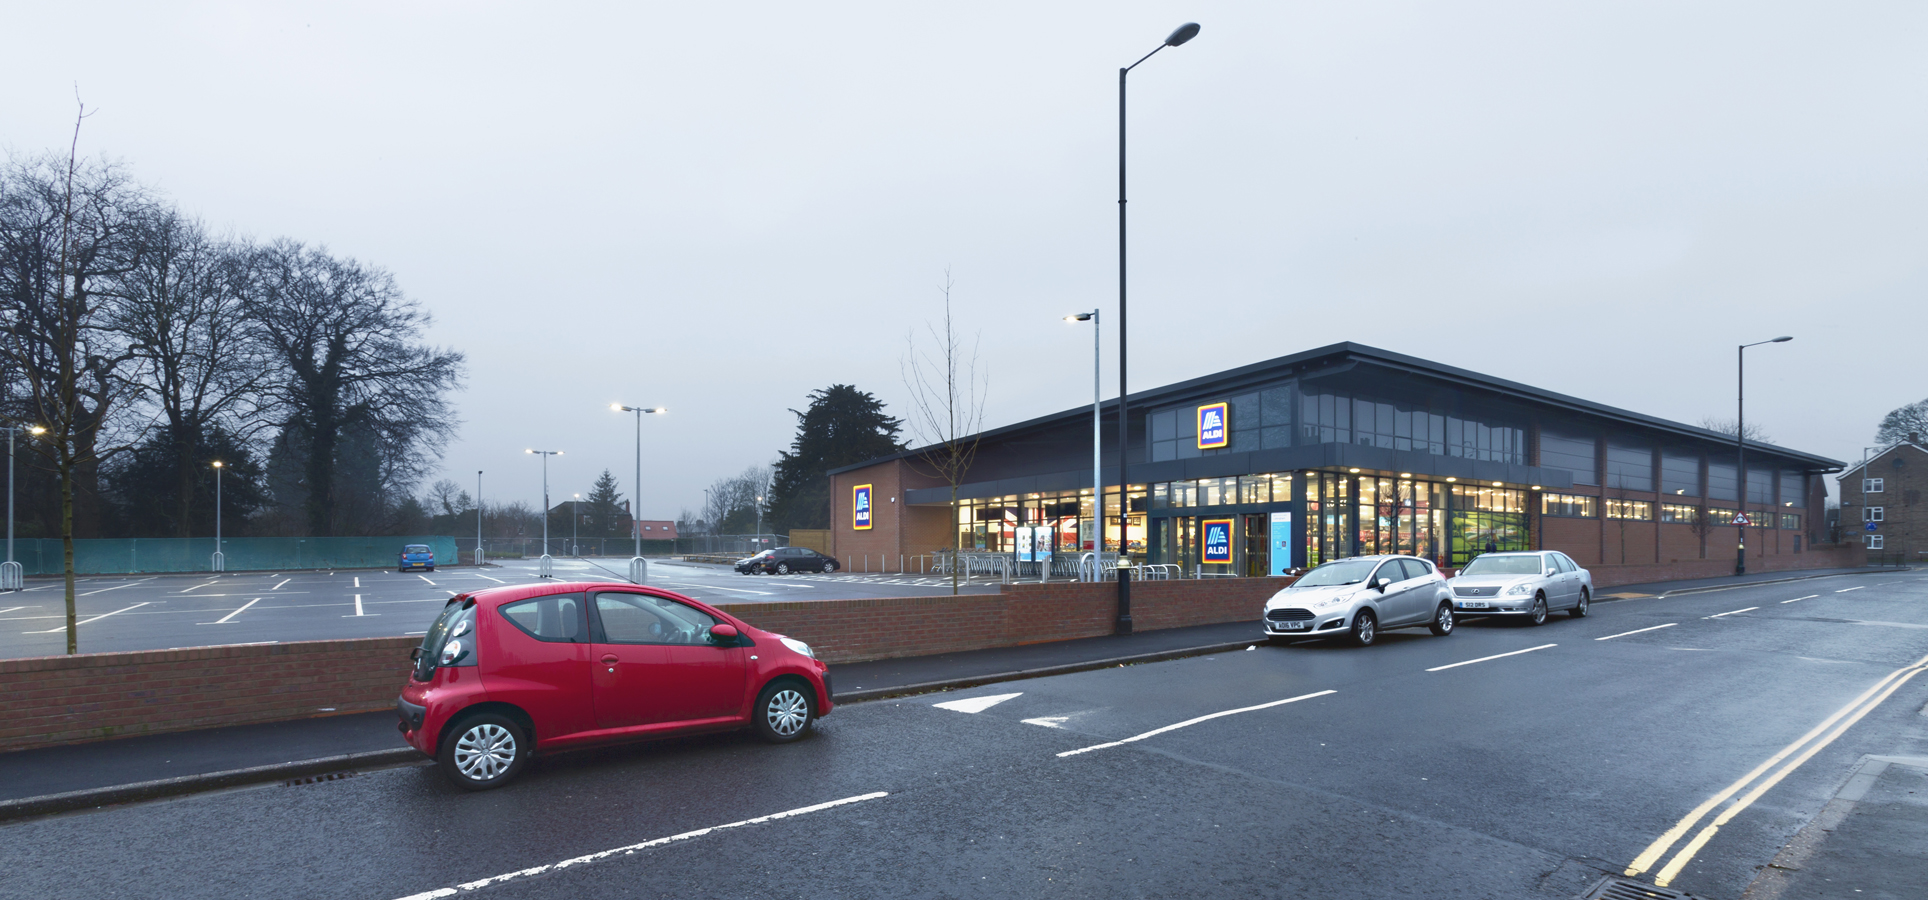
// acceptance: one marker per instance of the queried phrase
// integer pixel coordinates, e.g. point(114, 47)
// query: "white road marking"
point(1048, 721)
point(244, 608)
point(1731, 612)
point(358, 609)
point(976, 704)
point(716, 588)
point(358, 581)
point(12, 609)
point(1637, 631)
point(1808, 597)
point(414, 632)
point(114, 588)
point(1486, 658)
point(496, 580)
point(632, 848)
point(63, 626)
point(1189, 722)
point(1845, 590)
point(195, 588)
point(424, 578)
point(278, 586)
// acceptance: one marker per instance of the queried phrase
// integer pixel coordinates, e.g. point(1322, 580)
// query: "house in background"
point(1881, 499)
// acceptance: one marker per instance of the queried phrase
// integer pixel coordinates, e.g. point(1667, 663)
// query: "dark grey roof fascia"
point(1360, 352)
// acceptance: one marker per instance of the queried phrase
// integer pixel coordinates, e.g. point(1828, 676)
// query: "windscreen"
point(1503, 565)
point(1344, 571)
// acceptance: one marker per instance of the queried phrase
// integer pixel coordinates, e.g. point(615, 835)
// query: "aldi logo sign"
point(1214, 426)
point(860, 507)
point(1218, 540)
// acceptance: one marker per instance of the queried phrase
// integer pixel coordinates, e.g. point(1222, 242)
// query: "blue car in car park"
point(417, 556)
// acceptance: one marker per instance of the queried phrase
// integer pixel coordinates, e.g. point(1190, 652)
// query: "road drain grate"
point(1615, 888)
point(337, 776)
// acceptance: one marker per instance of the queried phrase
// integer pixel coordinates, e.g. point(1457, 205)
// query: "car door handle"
point(609, 660)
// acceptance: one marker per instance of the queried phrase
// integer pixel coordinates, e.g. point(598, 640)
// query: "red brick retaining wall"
point(1840, 556)
point(91, 696)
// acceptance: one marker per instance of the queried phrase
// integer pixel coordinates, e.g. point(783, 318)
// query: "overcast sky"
point(720, 207)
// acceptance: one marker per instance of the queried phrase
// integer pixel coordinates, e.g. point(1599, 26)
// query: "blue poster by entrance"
point(1281, 543)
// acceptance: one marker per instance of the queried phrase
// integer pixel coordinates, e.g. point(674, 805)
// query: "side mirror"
point(723, 632)
point(1381, 583)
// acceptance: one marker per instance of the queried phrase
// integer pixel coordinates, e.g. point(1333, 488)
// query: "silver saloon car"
point(1522, 585)
point(1359, 597)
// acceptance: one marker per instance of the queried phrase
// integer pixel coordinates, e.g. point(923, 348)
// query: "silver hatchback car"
point(1522, 585)
point(1361, 596)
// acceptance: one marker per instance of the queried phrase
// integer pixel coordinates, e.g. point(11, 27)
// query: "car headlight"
point(1334, 601)
point(1521, 588)
point(798, 646)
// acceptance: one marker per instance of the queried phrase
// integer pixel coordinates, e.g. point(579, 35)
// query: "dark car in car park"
point(508, 672)
point(785, 560)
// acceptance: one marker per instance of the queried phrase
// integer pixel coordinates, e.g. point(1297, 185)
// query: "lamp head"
point(1783, 339)
point(37, 429)
point(1078, 317)
point(659, 410)
point(618, 407)
point(217, 464)
point(1184, 33)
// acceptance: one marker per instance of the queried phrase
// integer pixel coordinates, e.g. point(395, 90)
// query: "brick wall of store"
point(1597, 542)
point(92, 696)
point(896, 529)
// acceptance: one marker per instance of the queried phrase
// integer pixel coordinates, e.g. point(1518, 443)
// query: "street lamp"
point(1740, 445)
point(1184, 33)
point(13, 576)
point(638, 567)
point(543, 567)
point(479, 555)
point(220, 562)
point(575, 518)
point(759, 523)
point(1097, 458)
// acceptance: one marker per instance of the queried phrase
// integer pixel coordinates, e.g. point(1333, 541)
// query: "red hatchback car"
point(507, 672)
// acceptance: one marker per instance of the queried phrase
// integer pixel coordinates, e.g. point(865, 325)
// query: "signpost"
point(1742, 520)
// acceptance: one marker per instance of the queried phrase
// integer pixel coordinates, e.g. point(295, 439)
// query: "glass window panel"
point(1571, 453)
point(1677, 512)
point(1164, 450)
point(1721, 483)
point(1254, 489)
point(1281, 488)
point(1630, 467)
point(1275, 406)
point(1680, 474)
point(1575, 505)
point(1272, 438)
point(1760, 486)
point(1793, 487)
point(1164, 425)
point(1630, 509)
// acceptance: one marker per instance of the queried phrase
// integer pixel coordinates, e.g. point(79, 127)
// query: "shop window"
point(1572, 505)
point(1254, 489)
point(1637, 510)
point(1630, 467)
point(1281, 488)
point(1678, 512)
point(1570, 453)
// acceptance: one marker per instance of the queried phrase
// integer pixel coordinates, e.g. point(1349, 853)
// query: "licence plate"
point(1292, 626)
point(1472, 605)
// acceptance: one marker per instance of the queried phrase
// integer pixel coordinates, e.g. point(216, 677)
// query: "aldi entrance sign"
point(1218, 540)
point(860, 507)
point(1213, 429)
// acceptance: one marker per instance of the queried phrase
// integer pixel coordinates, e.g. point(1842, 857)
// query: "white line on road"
point(716, 588)
point(424, 578)
point(1485, 658)
point(358, 609)
point(115, 588)
point(195, 588)
point(1731, 612)
point(244, 608)
point(278, 586)
point(94, 619)
point(1188, 722)
point(12, 609)
point(1808, 597)
point(358, 581)
point(1637, 631)
point(1845, 590)
point(496, 580)
point(632, 848)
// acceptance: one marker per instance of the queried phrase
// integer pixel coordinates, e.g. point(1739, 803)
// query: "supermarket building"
point(1341, 451)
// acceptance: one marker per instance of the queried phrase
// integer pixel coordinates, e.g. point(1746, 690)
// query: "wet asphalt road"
point(162, 612)
point(1524, 776)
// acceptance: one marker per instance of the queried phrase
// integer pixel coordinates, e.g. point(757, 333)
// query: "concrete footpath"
point(55, 779)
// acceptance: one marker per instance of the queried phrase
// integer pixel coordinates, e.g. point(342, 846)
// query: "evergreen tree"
point(605, 508)
point(843, 426)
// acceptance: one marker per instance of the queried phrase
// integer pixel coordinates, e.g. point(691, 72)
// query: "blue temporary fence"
point(114, 556)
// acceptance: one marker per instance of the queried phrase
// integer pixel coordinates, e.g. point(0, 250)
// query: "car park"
point(508, 672)
point(1522, 585)
point(417, 556)
point(785, 560)
point(1360, 597)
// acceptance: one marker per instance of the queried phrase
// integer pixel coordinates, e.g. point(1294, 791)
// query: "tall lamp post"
point(479, 555)
point(1740, 445)
point(575, 518)
point(1184, 33)
point(1097, 457)
point(638, 567)
point(543, 567)
point(220, 560)
point(13, 576)
point(759, 523)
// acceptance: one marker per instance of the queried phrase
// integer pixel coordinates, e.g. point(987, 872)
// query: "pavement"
point(1501, 761)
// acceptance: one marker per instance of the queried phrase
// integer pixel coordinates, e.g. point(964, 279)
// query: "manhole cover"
point(1617, 888)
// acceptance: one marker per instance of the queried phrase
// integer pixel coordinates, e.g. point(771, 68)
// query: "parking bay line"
point(1486, 658)
point(1797, 599)
point(278, 586)
point(1637, 631)
point(244, 608)
point(1845, 590)
point(1731, 612)
point(425, 578)
point(1189, 722)
point(358, 610)
point(63, 626)
point(117, 587)
point(632, 848)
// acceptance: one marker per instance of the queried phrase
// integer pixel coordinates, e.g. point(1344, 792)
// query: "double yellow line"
point(1842, 719)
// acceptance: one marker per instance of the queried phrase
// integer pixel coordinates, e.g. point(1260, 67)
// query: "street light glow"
point(217, 464)
point(1078, 317)
point(37, 429)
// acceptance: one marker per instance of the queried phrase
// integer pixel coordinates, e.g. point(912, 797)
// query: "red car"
point(507, 672)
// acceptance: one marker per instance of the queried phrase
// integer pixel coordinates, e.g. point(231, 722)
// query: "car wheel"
point(1443, 619)
point(483, 752)
point(1538, 615)
point(1365, 628)
point(829, 567)
point(784, 712)
point(1579, 610)
point(783, 568)
point(431, 568)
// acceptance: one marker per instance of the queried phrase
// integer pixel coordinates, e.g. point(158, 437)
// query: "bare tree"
point(1702, 526)
point(1755, 432)
point(947, 408)
point(182, 307)
point(1908, 423)
point(68, 229)
point(731, 504)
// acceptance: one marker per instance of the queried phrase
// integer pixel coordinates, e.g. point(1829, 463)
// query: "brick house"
point(1885, 491)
